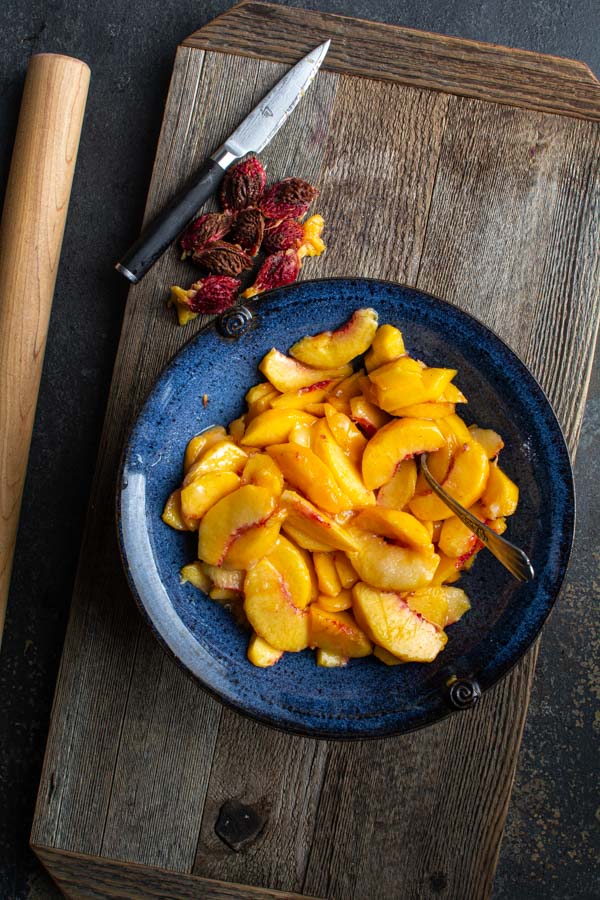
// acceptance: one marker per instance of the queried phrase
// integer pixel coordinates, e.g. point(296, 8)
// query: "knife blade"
point(252, 135)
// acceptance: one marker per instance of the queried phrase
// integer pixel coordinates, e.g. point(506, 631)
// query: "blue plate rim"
point(434, 716)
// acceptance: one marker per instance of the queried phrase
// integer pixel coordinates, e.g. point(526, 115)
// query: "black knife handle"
point(163, 230)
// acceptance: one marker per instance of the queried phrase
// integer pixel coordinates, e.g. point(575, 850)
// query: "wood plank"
point(407, 56)
point(79, 876)
point(498, 225)
point(375, 201)
point(515, 209)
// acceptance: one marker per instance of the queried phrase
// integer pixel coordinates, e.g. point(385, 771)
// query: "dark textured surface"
point(548, 846)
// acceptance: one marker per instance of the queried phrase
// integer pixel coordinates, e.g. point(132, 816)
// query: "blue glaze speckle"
point(366, 698)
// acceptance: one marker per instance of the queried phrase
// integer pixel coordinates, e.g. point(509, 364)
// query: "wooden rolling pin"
point(31, 232)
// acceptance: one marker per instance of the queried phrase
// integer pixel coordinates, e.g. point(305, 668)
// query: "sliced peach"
point(367, 415)
point(327, 576)
point(453, 426)
point(230, 579)
point(201, 442)
point(448, 570)
point(290, 560)
point(345, 433)
point(431, 603)
point(458, 605)
point(465, 482)
point(401, 487)
point(307, 519)
point(387, 345)
point(222, 456)
point(331, 349)
point(259, 399)
point(271, 609)
point(203, 492)
point(288, 374)
point(389, 566)
point(300, 399)
point(195, 574)
point(230, 518)
point(301, 434)
point(386, 657)
point(337, 632)
point(456, 540)
point(303, 469)
point(254, 543)
point(304, 538)
point(172, 514)
point(489, 439)
point(226, 595)
point(273, 426)
point(263, 471)
point(330, 660)
point(237, 428)
point(501, 495)
point(453, 395)
point(395, 442)
point(429, 410)
point(261, 654)
point(348, 387)
point(316, 409)
point(388, 620)
point(344, 471)
point(397, 525)
point(346, 571)
point(339, 603)
point(405, 382)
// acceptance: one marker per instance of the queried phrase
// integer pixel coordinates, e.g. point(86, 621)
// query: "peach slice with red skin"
point(307, 520)
point(230, 518)
point(447, 572)
point(331, 349)
point(300, 399)
point(288, 558)
point(271, 608)
point(337, 632)
point(387, 620)
point(261, 654)
point(390, 567)
point(466, 481)
point(367, 415)
point(387, 346)
point(203, 492)
point(287, 374)
point(254, 543)
point(273, 426)
point(396, 493)
point(395, 442)
point(344, 471)
point(303, 469)
point(431, 603)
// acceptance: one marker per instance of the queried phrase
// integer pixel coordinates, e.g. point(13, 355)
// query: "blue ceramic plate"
point(366, 698)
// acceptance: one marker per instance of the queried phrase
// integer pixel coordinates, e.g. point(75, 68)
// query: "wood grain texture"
point(31, 232)
point(407, 56)
point(491, 207)
point(83, 877)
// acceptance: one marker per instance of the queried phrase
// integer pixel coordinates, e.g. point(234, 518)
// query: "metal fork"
point(511, 557)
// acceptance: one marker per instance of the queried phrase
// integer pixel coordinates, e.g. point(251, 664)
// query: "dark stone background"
point(548, 847)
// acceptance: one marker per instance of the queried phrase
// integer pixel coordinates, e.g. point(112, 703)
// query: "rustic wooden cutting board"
point(471, 172)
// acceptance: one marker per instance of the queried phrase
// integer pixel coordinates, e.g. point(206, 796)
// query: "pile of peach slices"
point(314, 523)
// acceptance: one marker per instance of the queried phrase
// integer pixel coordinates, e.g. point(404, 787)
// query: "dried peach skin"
point(315, 526)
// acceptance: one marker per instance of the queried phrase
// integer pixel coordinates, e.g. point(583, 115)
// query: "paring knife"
point(251, 136)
